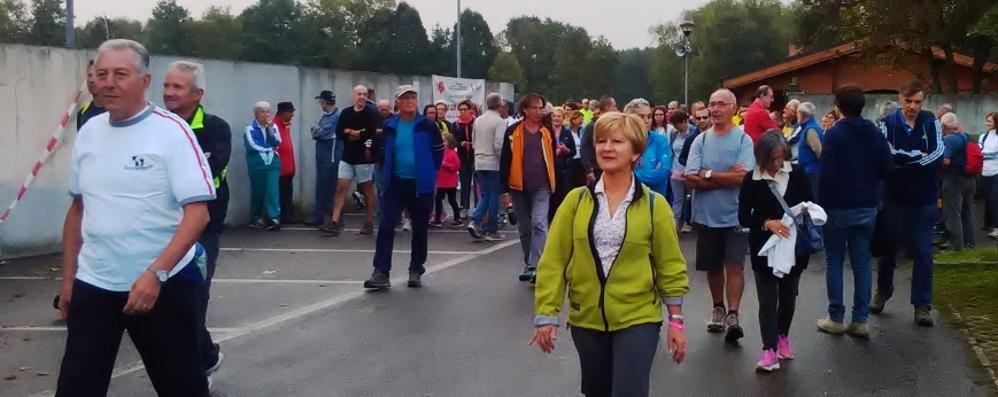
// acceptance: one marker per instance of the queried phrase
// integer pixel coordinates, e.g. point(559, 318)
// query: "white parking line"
point(218, 280)
point(342, 251)
point(304, 311)
point(58, 328)
point(353, 230)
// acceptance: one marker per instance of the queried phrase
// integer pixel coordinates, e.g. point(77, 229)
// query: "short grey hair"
point(141, 53)
point(795, 104)
point(888, 108)
point(493, 101)
point(195, 69)
point(262, 105)
point(807, 108)
point(635, 103)
point(949, 120)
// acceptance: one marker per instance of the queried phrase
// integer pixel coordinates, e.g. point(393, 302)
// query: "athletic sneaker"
point(415, 280)
point(332, 228)
point(826, 325)
point(686, 228)
point(923, 316)
point(367, 229)
point(879, 301)
point(217, 365)
point(734, 330)
point(716, 323)
point(473, 230)
point(378, 280)
point(494, 237)
point(359, 198)
point(257, 224)
point(436, 224)
point(528, 273)
point(274, 225)
point(511, 216)
point(994, 233)
point(783, 349)
point(457, 222)
point(406, 225)
point(768, 361)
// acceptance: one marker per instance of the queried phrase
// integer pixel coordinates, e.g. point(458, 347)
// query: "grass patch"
point(973, 255)
point(972, 289)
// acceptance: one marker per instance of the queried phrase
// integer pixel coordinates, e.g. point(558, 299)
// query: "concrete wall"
point(970, 109)
point(35, 85)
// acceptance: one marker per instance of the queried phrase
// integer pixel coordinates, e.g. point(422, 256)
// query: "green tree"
point(101, 29)
point(169, 29)
point(507, 68)
point(600, 67)
point(632, 77)
point(272, 32)
point(731, 37)
point(570, 66)
point(329, 30)
point(478, 47)
point(394, 41)
point(817, 23)
point(441, 56)
point(535, 43)
point(218, 34)
point(14, 24)
point(48, 23)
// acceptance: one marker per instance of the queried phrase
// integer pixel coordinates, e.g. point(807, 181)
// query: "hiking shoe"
point(332, 228)
point(734, 331)
point(473, 230)
point(494, 237)
point(923, 316)
point(783, 349)
point(367, 229)
point(859, 330)
point(415, 280)
point(378, 280)
point(274, 225)
point(828, 326)
point(257, 224)
point(879, 301)
point(528, 273)
point(406, 225)
point(768, 361)
point(716, 323)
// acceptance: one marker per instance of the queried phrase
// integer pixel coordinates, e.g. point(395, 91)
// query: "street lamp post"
point(458, 46)
point(684, 51)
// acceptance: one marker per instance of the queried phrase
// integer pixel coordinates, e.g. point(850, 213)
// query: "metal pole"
point(70, 30)
point(458, 46)
point(686, 79)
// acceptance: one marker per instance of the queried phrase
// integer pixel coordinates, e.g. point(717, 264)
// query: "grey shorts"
point(717, 247)
point(361, 173)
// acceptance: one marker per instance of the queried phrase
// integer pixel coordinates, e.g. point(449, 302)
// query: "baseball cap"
point(327, 95)
point(403, 89)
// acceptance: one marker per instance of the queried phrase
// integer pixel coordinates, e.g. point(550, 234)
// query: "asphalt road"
point(293, 320)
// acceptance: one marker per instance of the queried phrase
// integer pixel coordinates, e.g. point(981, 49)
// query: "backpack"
point(975, 159)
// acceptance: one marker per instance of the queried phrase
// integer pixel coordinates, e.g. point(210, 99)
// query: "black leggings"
point(451, 194)
point(777, 303)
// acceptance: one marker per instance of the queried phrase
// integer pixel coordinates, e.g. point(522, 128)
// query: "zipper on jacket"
point(599, 263)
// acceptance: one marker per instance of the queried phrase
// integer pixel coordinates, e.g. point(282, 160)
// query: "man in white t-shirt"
point(140, 184)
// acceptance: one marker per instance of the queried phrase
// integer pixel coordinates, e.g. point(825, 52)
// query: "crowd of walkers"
point(599, 197)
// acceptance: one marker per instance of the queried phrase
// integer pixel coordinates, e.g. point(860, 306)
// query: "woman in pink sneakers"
point(759, 210)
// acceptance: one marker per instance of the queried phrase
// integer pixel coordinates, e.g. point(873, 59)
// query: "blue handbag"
point(808, 235)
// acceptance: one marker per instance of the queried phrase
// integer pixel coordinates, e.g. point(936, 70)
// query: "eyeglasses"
point(703, 118)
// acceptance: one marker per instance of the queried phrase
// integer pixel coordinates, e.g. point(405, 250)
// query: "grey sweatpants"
point(958, 209)
point(531, 207)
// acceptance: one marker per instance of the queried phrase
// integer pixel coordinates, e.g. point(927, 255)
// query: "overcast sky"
point(624, 22)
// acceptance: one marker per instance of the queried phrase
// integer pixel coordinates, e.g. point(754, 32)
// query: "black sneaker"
point(528, 273)
point(216, 351)
point(331, 229)
point(511, 216)
point(368, 229)
point(274, 225)
point(378, 280)
point(415, 280)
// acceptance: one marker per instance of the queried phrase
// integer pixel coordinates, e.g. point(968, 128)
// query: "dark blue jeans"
point(401, 193)
point(488, 185)
point(210, 242)
point(167, 338)
point(327, 166)
point(849, 229)
point(911, 227)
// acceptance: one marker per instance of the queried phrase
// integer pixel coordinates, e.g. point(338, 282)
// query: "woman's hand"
point(546, 335)
point(777, 227)
point(677, 343)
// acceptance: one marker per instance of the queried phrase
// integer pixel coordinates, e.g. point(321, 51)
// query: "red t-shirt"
point(757, 121)
point(286, 151)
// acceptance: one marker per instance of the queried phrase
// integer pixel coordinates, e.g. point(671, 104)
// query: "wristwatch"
point(676, 317)
point(161, 275)
point(707, 174)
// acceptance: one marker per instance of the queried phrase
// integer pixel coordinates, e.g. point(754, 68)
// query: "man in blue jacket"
point(916, 141)
point(413, 150)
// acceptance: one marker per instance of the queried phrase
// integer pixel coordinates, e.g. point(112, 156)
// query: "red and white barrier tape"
point(50, 147)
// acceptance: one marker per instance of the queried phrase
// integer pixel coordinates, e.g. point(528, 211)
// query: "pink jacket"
point(447, 174)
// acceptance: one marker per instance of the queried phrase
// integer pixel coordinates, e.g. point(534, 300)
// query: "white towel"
point(780, 253)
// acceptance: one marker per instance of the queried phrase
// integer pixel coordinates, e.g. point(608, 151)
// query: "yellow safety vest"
point(197, 124)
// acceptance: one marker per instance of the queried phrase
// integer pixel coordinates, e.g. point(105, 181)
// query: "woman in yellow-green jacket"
point(613, 247)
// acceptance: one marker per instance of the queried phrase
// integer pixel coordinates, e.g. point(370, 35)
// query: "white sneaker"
point(994, 233)
point(686, 228)
point(406, 225)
